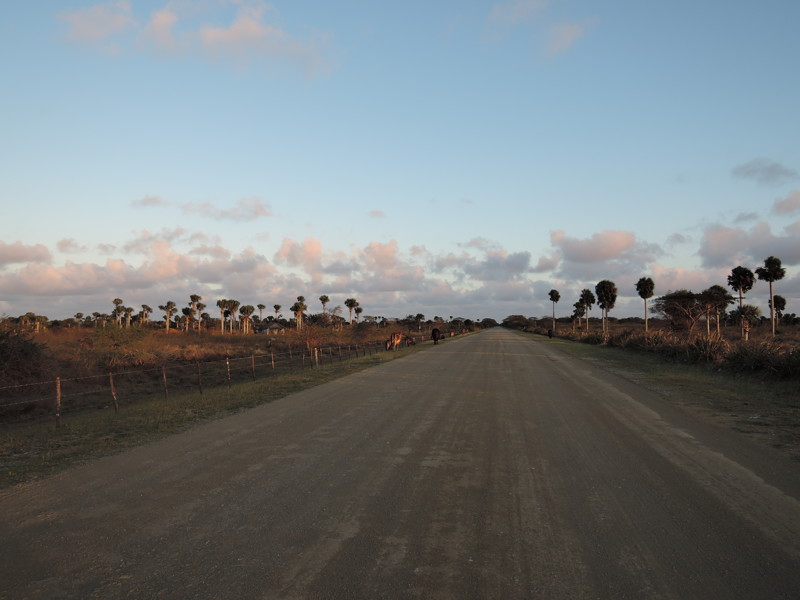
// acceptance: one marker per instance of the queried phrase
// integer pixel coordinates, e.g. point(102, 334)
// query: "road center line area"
point(489, 466)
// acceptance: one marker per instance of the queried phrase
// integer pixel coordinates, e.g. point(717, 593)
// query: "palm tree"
point(351, 303)
point(188, 317)
point(324, 301)
point(245, 312)
point(128, 310)
point(233, 307)
point(200, 308)
point(715, 300)
point(298, 308)
point(168, 309)
point(78, 317)
point(554, 297)
point(606, 298)
point(780, 306)
point(741, 280)
point(645, 288)
point(419, 318)
point(261, 308)
point(771, 272)
point(277, 308)
point(587, 299)
point(358, 310)
point(747, 315)
point(144, 315)
point(117, 311)
point(222, 304)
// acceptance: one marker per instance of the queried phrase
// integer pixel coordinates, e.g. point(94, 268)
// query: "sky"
point(454, 158)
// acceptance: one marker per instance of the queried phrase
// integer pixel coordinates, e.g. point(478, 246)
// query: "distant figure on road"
point(550, 333)
point(436, 335)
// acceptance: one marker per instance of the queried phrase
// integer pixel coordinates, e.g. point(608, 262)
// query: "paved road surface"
point(490, 466)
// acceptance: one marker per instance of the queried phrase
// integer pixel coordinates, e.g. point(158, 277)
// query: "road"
point(490, 466)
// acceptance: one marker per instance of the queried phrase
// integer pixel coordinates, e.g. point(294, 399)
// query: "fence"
point(58, 396)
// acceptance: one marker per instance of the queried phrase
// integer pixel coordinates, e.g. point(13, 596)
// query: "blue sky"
point(445, 158)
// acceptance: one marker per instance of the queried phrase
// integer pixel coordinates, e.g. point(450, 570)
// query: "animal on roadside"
point(410, 341)
point(393, 342)
point(436, 335)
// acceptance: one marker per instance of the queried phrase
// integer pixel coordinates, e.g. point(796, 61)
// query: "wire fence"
point(58, 396)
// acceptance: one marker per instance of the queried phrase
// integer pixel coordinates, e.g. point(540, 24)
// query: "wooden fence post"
point(253, 365)
point(113, 391)
point(199, 378)
point(164, 381)
point(228, 367)
point(272, 355)
point(58, 401)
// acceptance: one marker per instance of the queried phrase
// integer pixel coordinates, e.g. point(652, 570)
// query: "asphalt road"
point(490, 466)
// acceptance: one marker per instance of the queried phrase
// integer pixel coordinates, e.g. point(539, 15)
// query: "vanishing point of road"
point(490, 466)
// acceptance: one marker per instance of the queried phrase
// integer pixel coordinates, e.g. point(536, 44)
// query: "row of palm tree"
point(714, 300)
point(233, 315)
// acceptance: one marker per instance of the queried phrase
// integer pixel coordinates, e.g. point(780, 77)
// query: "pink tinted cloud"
point(599, 247)
point(99, 22)
point(564, 36)
point(789, 205)
point(68, 245)
point(245, 209)
point(23, 253)
point(723, 246)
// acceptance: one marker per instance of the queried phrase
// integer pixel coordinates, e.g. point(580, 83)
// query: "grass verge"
point(765, 410)
point(29, 451)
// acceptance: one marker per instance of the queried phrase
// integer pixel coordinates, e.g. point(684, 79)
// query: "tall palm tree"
point(741, 280)
point(358, 310)
point(324, 301)
point(222, 304)
point(645, 288)
point(188, 317)
point(144, 316)
point(244, 313)
point(554, 297)
point(587, 299)
point(771, 272)
point(201, 317)
point(128, 310)
point(261, 308)
point(298, 308)
point(277, 309)
point(351, 303)
point(168, 309)
point(233, 307)
point(419, 318)
point(606, 298)
point(715, 300)
point(780, 306)
point(78, 318)
point(117, 311)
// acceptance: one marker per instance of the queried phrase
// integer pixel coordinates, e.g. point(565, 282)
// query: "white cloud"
point(23, 253)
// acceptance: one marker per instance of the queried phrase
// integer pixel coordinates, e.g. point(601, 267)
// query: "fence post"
point(253, 365)
point(113, 391)
point(199, 378)
point(58, 402)
point(272, 355)
point(228, 367)
point(164, 381)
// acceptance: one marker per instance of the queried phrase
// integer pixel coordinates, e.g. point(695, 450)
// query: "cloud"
point(723, 246)
point(149, 201)
point(765, 172)
point(69, 245)
point(789, 205)
point(546, 263)
point(99, 22)
point(177, 29)
point(22, 253)
point(246, 209)
point(562, 37)
point(600, 247)
point(514, 12)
